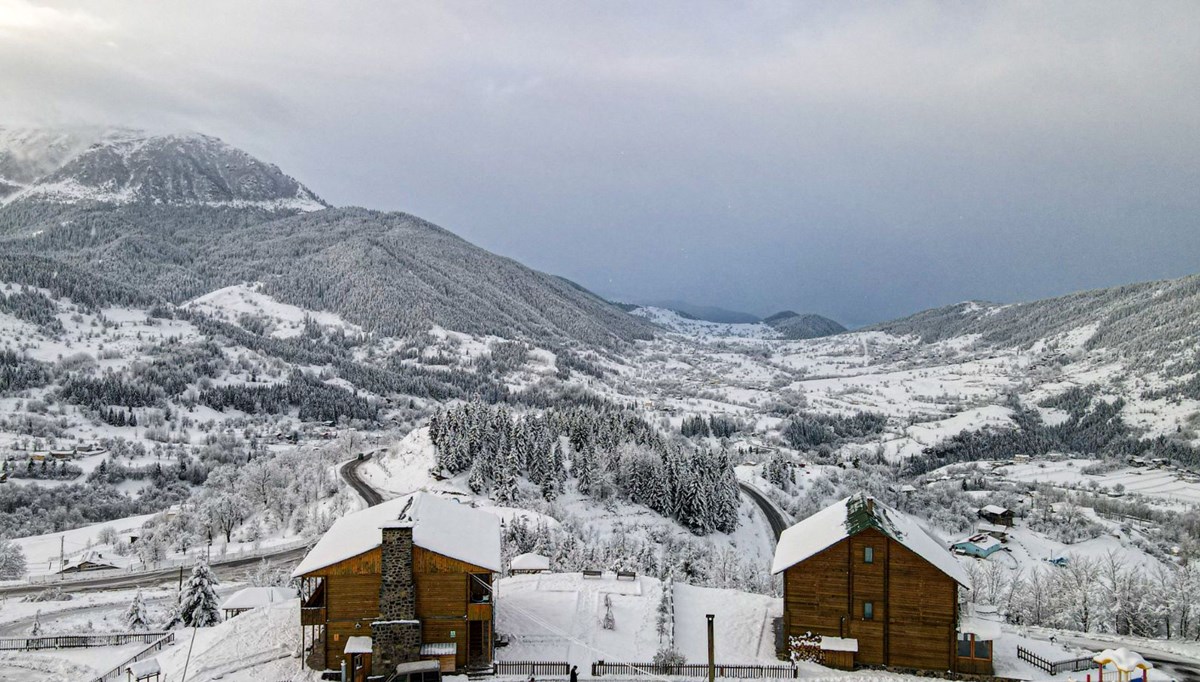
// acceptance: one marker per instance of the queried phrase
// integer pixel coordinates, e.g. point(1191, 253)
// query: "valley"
point(195, 364)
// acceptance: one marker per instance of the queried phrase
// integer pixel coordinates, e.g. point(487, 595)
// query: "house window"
point(964, 646)
point(481, 588)
point(868, 555)
point(868, 610)
point(983, 649)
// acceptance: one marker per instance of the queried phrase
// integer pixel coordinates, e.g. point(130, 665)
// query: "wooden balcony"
point(312, 615)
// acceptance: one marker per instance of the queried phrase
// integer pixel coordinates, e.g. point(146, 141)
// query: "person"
point(574, 673)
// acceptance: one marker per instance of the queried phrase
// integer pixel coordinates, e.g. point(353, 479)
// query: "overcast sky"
point(859, 160)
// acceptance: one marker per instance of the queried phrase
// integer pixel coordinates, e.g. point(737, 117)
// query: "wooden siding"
point(915, 605)
point(442, 601)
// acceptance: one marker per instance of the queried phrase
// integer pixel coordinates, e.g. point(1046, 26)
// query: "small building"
point(997, 515)
point(144, 671)
point(254, 597)
point(528, 563)
point(838, 652)
point(980, 546)
point(994, 530)
point(406, 574)
point(861, 570)
point(92, 560)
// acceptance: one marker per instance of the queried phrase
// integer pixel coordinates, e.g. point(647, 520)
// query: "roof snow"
point(529, 562)
point(851, 516)
point(439, 525)
point(982, 541)
point(993, 509)
point(1123, 659)
point(838, 644)
point(254, 597)
point(358, 645)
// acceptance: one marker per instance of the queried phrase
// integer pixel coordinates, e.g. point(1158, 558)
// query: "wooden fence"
point(535, 668)
point(78, 641)
point(158, 645)
point(1054, 667)
point(697, 670)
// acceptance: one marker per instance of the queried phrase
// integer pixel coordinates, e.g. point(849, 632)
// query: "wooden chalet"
point(997, 515)
point(859, 570)
point(405, 585)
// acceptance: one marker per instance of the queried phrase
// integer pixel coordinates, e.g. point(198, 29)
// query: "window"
point(964, 646)
point(868, 610)
point(983, 649)
point(868, 555)
point(481, 588)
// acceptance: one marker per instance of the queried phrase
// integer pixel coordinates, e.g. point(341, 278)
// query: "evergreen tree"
point(135, 615)
point(198, 601)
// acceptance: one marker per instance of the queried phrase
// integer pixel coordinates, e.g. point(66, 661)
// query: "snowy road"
point(349, 472)
point(775, 517)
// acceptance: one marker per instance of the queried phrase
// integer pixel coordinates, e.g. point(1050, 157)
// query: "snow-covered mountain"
point(793, 325)
point(125, 166)
point(180, 216)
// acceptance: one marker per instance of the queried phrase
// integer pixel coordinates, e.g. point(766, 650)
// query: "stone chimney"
point(396, 636)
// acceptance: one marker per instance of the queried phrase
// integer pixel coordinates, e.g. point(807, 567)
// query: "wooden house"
point(859, 570)
point(997, 515)
point(92, 560)
point(411, 575)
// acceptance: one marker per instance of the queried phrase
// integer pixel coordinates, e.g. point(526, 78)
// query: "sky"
point(858, 160)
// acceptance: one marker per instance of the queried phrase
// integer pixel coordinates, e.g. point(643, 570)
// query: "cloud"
point(861, 160)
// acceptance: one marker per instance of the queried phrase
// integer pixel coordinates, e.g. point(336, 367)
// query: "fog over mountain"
point(752, 160)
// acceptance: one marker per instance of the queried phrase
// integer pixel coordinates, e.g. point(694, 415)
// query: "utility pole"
point(712, 661)
point(62, 556)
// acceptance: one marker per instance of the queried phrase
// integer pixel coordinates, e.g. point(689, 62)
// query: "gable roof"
point(851, 516)
point(439, 525)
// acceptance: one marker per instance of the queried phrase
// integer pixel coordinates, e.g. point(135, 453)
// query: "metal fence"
point(78, 641)
point(697, 670)
point(1054, 667)
point(187, 561)
point(155, 647)
point(536, 668)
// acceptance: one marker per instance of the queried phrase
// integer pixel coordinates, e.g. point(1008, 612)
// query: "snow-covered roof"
point(1123, 659)
point(254, 597)
point(992, 528)
point(439, 649)
point(993, 509)
point(358, 645)
point(144, 668)
point(839, 644)
point(985, 630)
point(529, 562)
point(982, 541)
point(852, 515)
point(439, 525)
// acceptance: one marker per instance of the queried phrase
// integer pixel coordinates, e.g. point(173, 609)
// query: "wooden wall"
point(442, 603)
point(915, 604)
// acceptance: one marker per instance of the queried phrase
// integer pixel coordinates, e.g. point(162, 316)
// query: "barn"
point(859, 570)
point(405, 581)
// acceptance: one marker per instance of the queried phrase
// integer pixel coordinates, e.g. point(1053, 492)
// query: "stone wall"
point(396, 637)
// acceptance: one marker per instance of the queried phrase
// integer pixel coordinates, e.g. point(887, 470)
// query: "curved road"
point(349, 472)
point(778, 521)
point(224, 569)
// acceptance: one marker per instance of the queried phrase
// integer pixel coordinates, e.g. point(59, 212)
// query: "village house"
point(997, 515)
point(859, 570)
point(404, 586)
point(91, 560)
point(980, 546)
